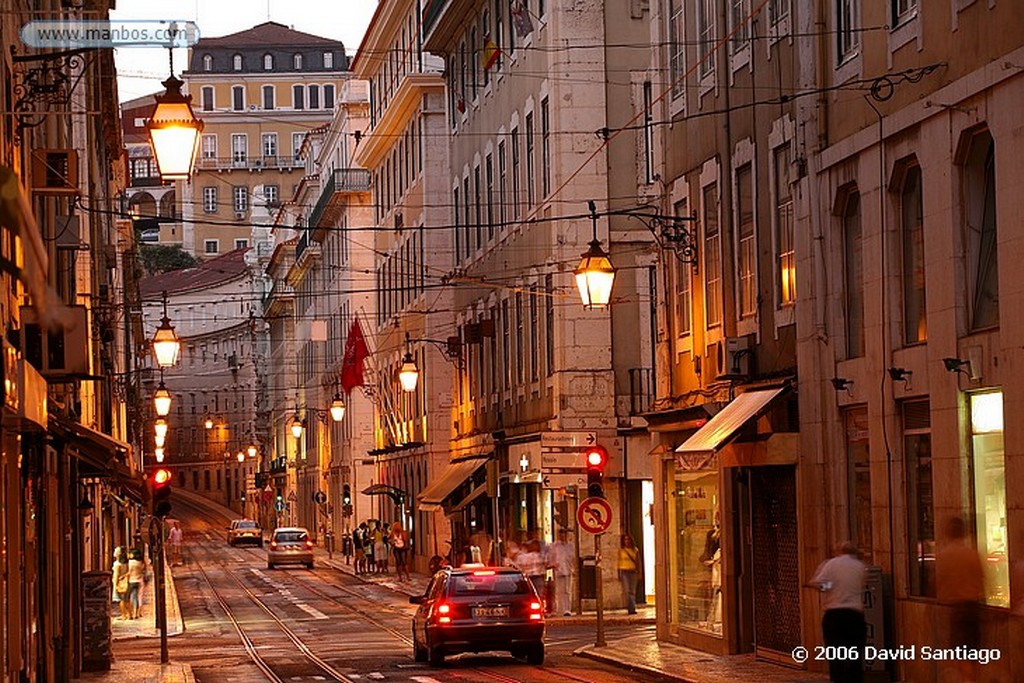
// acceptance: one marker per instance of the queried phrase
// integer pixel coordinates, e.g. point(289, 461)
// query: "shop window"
point(858, 472)
point(695, 547)
point(917, 458)
point(988, 472)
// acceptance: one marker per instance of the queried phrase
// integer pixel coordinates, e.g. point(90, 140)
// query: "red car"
point(477, 609)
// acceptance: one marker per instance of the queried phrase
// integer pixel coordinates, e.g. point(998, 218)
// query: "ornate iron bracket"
point(671, 232)
point(44, 80)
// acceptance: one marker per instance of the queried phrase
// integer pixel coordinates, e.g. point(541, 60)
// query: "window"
point(549, 322)
point(979, 216)
point(297, 61)
point(858, 480)
point(485, 51)
point(746, 276)
point(241, 243)
point(462, 79)
point(847, 35)
point(466, 215)
point(209, 146)
point(268, 62)
point(474, 48)
point(706, 37)
point(499, 29)
point(777, 11)
point(241, 196)
point(785, 255)
point(502, 183)
point(520, 355)
point(456, 227)
point(534, 336)
point(328, 60)
point(695, 557)
point(739, 11)
point(238, 97)
point(207, 97)
point(298, 97)
point(210, 247)
point(236, 62)
point(545, 148)
point(506, 347)
point(269, 144)
point(268, 97)
point(239, 148)
point(207, 63)
point(210, 199)
point(915, 324)
point(988, 492)
point(853, 277)
point(313, 93)
point(647, 140)
point(712, 257)
point(677, 48)
point(329, 96)
point(271, 194)
point(903, 11)
point(297, 144)
point(530, 178)
point(684, 301)
point(478, 207)
point(489, 173)
point(515, 172)
point(917, 458)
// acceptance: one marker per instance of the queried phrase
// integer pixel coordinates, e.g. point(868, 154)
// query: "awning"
point(97, 450)
point(456, 473)
point(723, 426)
point(396, 494)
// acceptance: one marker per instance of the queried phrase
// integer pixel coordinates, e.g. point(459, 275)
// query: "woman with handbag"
point(119, 572)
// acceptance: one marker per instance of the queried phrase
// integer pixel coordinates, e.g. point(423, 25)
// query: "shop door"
point(776, 582)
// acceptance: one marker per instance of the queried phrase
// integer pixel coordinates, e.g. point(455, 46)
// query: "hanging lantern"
point(409, 374)
point(337, 408)
point(159, 453)
point(209, 423)
point(160, 427)
point(252, 450)
point(162, 400)
point(297, 426)
point(595, 276)
point(240, 456)
point(174, 132)
point(159, 440)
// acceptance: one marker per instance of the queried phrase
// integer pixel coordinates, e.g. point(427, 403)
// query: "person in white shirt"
point(174, 538)
point(841, 582)
point(136, 576)
point(561, 560)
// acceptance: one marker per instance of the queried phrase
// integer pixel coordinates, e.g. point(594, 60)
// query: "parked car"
point(245, 531)
point(477, 609)
point(290, 545)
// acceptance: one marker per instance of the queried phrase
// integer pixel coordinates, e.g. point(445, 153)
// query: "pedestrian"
point(119, 580)
point(384, 556)
point(136, 576)
point(561, 558)
point(531, 564)
point(629, 567)
point(174, 538)
point(368, 545)
point(358, 547)
point(841, 582)
point(960, 585)
point(399, 540)
point(380, 551)
point(482, 540)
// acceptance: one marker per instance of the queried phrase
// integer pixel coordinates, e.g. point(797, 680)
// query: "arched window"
point(207, 63)
point(236, 62)
point(297, 61)
point(268, 62)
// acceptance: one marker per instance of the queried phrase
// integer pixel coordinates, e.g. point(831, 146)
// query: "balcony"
point(250, 163)
point(341, 183)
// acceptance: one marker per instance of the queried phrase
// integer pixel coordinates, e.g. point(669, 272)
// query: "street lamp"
point(240, 456)
point(408, 374)
point(595, 274)
point(337, 408)
point(160, 427)
point(166, 345)
point(252, 450)
point(158, 452)
point(159, 440)
point(174, 132)
point(297, 426)
point(162, 399)
point(209, 423)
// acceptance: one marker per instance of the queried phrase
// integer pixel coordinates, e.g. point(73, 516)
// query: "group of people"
point(960, 586)
point(128, 573)
point(373, 543)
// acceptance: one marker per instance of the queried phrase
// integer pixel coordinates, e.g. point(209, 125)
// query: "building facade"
point(258, 92)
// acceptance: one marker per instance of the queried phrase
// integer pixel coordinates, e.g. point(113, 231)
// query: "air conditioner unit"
point(55, 171)
point(737, 355)
point(239, 215)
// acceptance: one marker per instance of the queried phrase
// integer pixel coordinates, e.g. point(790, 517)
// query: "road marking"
point(424, 679)
point(311, 611)
point(378, 676)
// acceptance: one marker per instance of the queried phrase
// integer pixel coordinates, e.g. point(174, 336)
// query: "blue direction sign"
point(319, 497)
point(279, 506)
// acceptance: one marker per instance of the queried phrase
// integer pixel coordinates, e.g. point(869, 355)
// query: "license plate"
point(490, 612)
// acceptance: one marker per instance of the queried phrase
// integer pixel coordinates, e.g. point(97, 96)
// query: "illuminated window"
point(746, 276)
point(988, 491)
point(915, 323)
point(785, 254)
point(712, 257)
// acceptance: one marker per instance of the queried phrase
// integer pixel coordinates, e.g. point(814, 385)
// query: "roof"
point(267, 34)
point(207, 274)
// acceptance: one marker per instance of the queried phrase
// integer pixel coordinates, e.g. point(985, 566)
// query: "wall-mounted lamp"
point(85, 506)
point(252, 450)
point(963, 367)
point(297, 426)
point(841, 383)
point(901, 375)
point(208, 423)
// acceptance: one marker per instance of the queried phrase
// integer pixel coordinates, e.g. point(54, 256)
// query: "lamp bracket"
point(44, 80)
point(671, 232)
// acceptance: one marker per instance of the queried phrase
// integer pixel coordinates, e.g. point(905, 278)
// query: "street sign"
point(557, 480)
point(268, 494)
point(291, 495)
point(279, 506)
point(567, 439)
point(594, 515)
point(562, 460)
point(319, 497)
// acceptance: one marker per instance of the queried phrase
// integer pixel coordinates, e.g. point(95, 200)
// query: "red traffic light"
point(597, 458)
point(161, 477)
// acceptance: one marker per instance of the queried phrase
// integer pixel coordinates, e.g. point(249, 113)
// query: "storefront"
point(727, 540)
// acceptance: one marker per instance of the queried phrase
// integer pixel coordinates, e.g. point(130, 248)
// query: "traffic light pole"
point(599, 592)
point(156, 538)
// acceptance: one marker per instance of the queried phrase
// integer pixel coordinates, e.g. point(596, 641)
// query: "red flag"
point(356, 352)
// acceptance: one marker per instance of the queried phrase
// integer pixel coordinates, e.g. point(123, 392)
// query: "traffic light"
point(346, 495)
point(161, 488)
point(596, 458)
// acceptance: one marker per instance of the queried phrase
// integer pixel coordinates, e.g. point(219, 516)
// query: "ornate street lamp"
point(159, 453)
point(595, 274)
point(337, 408)
point(159, 440)
point(160, 427)
point(208, 423)
point(252, 450)
point(297, 426)
point(174, 132)
point(166, 345)
point(162, 399)
point(408, 374)
point(240, 456)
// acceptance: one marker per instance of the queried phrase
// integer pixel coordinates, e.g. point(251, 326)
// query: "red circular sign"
point(594, 515)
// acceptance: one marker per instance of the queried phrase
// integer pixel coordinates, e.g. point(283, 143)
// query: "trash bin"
point(588, 577)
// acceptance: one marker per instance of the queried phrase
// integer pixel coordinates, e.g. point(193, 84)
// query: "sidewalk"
point(641, 653)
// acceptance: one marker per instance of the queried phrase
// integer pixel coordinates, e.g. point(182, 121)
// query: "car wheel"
point(419, 654)
point(270, 565)
point(535, 655)
point(435, 656)
point(309, 565)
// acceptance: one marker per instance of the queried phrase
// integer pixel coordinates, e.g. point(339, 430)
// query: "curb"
point(589, 652)
point(589, 619)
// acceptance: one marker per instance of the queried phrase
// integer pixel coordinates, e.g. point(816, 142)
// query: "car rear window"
point(489, 584)
point(246, 525)
point(291, 536)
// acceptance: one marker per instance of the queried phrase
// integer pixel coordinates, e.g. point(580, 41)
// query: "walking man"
point(174, 538)
point(841, 582)
point(960, 586)
point(561, 559)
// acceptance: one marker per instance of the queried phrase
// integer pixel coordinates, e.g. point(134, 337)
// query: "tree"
point(160, 258)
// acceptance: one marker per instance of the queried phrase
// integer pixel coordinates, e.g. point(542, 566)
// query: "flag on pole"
point(490, 54)
point(521, 19)
point(356, 352)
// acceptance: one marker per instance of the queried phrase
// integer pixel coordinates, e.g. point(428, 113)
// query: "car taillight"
point(309, 544)
point(273, 545)
point(443, 613)
point(484, 573)
point(536, 611)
